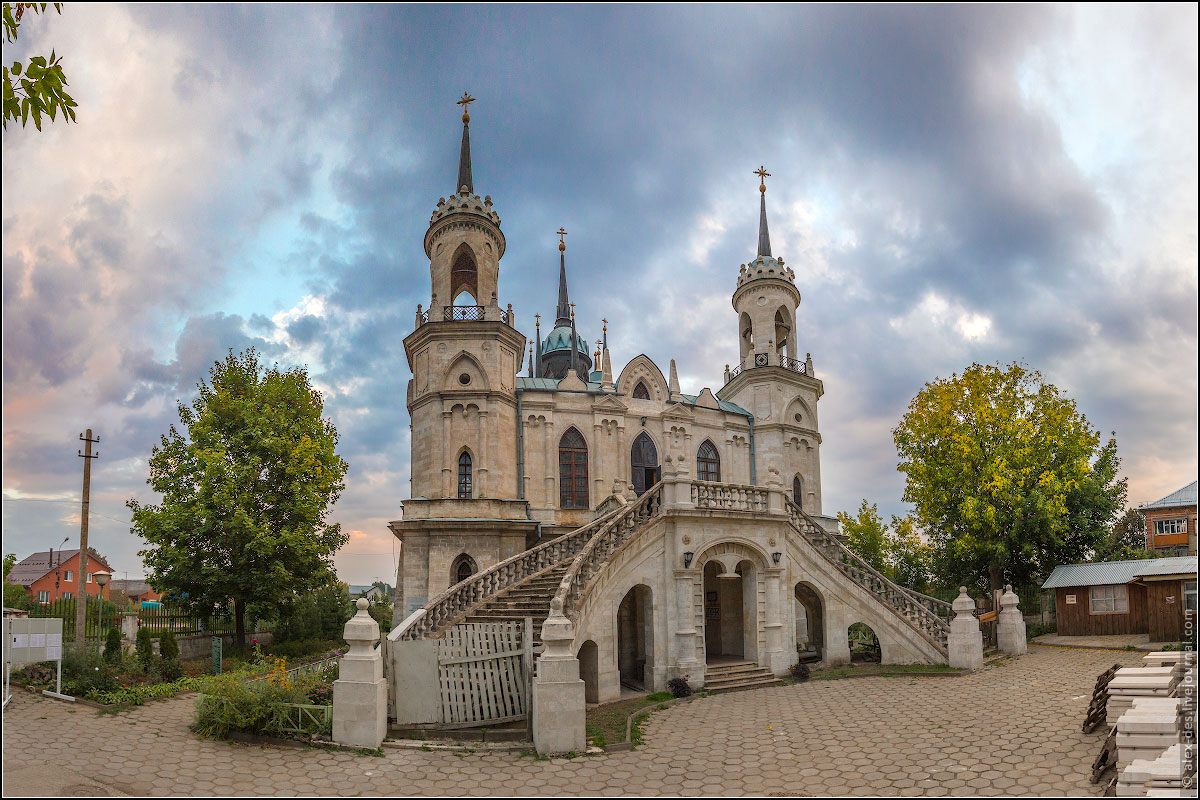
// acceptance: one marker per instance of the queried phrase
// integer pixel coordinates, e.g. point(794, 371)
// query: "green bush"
point(228, 704)
point(112, 645)
point(171, 669)
point(799, 672)
point(168, 648)
point(87, 673)
point(144, 648)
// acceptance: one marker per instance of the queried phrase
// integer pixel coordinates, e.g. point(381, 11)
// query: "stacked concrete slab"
point(1160, 777)
point(1132, 683)
point(1148, 728)
point(1151, 725)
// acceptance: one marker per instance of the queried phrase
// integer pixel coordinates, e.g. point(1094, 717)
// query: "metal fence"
point(99, 614)
point(104, 614)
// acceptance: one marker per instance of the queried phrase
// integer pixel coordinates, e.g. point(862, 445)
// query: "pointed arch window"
point(641, 392)
point(464, 476)
point(463, 568)
point(708, 463)
point(798, 491)
point(464, 275)
point(572, 470)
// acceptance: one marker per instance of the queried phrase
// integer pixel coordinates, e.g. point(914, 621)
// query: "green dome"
point(560, 339)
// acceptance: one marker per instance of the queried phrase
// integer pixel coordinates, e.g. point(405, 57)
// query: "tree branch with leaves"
point(34, 88)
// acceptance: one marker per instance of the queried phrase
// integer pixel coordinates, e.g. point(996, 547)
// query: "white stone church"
point(574, 533)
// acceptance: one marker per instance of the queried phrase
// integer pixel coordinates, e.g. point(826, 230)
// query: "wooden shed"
point(1155, 596)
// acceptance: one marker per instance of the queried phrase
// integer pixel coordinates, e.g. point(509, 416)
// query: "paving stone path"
point(1010, 729)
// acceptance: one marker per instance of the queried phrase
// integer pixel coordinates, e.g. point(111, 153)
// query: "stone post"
point(1011, 626)
point(559, 724)
point(775, 504)
point(685, 627)
point(965, 642)
point(360, 692)
point(129, 628)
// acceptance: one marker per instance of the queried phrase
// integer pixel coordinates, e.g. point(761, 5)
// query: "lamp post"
point(101, 577)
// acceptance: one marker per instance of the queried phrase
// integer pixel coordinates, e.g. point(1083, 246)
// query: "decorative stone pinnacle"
point(362, 604)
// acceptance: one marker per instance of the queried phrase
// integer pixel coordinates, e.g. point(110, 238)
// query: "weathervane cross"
point(762, 174)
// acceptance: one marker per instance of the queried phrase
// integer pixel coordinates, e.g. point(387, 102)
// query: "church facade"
point(649, 534)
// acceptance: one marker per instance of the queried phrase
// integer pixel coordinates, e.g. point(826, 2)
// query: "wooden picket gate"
point(485, 672)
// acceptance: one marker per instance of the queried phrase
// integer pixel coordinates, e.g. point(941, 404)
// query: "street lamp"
point(101, 577)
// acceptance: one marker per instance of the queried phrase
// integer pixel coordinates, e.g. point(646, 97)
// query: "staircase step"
point(755, 683)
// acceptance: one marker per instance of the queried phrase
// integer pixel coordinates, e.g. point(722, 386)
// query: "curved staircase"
point(529, 598)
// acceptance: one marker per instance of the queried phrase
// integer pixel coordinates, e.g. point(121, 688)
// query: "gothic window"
point(572, 470)
point(464, 275)
point(464, 476)
point(463, 568)
point(643, 459)
point(641, 392)
point(798, 491)
point(708, 463)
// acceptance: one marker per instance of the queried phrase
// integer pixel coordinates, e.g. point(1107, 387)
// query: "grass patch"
point(834, 673)
point(606, 723)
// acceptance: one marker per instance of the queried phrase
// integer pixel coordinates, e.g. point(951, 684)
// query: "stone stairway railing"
point(728, 496)
point(454, 603)
point(920, 611)
point(592, 558)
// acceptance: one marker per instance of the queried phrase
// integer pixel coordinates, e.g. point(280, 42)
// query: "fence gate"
point(485, 671)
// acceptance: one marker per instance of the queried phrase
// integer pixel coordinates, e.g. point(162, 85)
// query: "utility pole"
point(81, 573)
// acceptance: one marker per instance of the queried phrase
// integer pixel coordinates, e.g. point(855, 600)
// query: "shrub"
point(679, 687)
point(168, 648)
point(144, 648)
point(170, 669)
point(260, 707)
point(83, 674)
point(799, 671)
point(112, 645)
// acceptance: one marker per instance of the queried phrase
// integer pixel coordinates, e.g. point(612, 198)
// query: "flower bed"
point(280, 705)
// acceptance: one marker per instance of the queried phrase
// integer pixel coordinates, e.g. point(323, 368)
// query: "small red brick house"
point(136, 589)
point(1171, 523)
point(49, 578)
point(1155, 596)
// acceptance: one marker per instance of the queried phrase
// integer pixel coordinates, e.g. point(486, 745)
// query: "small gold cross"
point(465, 102)
point(762, 174)
point(572, 305)
point(537, 319)
point(562, 245)
point(605, 325)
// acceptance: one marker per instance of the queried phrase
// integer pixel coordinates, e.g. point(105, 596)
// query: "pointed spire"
point(764, 238)
point(564, 305)
point(464, 156)
point(531, 359)
point(537, 367)
point(606, 376)
point(674, 384)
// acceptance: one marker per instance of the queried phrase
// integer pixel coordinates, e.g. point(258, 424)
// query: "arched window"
point(464, 275)
point(641, 392)
point(464, 476)
point(462, 568)
point(572, 470)
point(798, 491)
point(708, 463)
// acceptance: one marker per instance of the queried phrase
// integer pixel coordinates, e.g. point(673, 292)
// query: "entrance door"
point(643, 460)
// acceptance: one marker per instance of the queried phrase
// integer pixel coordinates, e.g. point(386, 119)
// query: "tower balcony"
point(755, 360)
point(466, 314)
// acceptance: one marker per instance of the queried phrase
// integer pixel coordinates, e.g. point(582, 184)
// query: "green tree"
point(144, 648)
point(866, 535)
point(1126, 539)
point(245, 492)
point(896, 551)
point(112, 645)
point(15, 595)
point(40, 82)
point(1007, 477)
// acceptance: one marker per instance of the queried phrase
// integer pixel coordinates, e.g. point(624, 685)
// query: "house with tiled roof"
point(1171, 523)
point(52, 574)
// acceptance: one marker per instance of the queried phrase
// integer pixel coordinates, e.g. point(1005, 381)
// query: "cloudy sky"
point(951, 184)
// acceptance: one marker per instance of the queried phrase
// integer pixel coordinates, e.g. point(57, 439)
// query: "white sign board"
point(29, 640)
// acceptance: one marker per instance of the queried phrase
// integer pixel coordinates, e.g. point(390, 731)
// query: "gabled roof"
point(1180, 497)
point(1107, 573)
point(29, 569)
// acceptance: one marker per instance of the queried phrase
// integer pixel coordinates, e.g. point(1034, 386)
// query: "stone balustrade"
point(729, 496)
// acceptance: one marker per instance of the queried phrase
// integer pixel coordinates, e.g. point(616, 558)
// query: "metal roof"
point(1180, 497)
point(1107, 573)
point(29, 569)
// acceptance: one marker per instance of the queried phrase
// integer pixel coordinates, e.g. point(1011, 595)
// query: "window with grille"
point(572, 470)
point(464, 476)
point(641, 392)
point(1110, 600)
point(708, 462)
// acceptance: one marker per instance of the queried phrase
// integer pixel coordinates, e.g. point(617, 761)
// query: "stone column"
point(482, 468)
point(685, 628)
point(1011, 626)
point(559, 724)
point(551, 464)
point(447, 456)
point(360, 692)
point(965, 643)
point(777, 660)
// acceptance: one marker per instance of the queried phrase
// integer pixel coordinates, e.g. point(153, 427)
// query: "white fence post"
point(360, 692)
point(965, 642)
point(1010, 633)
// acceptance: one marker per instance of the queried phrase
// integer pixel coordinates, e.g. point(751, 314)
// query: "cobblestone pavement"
point(1010, 729)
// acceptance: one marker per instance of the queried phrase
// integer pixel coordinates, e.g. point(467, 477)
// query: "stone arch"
point(572, 469)
point(745, 335)
point(731, 571)
point(640, 391)
point(462, 568)
point(589, 670)
point(464, 275)
point(865, 644)
point(731, 551)
point(798, 407)
point(644, 467)
point(783, 333)
point(465, 364)
point(643, 369)
point(635, 637)
point(810, 620)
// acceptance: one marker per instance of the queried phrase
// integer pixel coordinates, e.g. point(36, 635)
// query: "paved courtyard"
point(1012, 728)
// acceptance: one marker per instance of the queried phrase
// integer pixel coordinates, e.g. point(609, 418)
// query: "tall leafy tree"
point(866, 535)
point(1008, 478)
point(895, 550)
point(1126, 539)
point(245, 492)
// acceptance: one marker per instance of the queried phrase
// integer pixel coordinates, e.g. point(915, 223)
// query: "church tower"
point(464, 353)
point(771, 380)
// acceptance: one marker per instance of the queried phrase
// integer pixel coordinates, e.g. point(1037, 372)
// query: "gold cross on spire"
point(537, 319)
point(605, 325)
point(562, 245)
point(465, 102)
point(762, 174)
point(572, 305)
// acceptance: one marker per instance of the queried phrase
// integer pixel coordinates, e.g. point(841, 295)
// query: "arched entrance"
point(589, 671)
point(810, 623)
point(635, 638)
point(864, 644)
point(643, 461)
point(730, 611)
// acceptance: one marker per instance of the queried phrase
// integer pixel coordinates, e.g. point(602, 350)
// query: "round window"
point(798, 419)
point(464, 379)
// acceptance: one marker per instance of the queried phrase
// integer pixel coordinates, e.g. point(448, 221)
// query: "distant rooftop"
point(1180, 497)
point(594, 387)
point(1106, 573)
point(29, 569)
